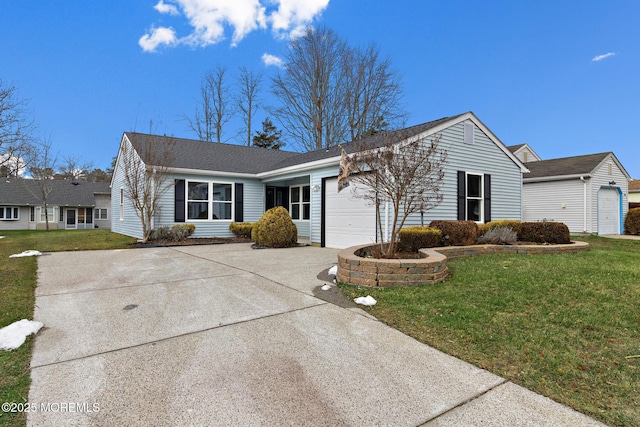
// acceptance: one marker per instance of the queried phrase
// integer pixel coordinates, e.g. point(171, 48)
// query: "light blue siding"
point(253, 205)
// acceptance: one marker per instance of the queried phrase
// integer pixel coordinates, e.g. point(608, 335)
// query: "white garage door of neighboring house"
point(349, 221)
point(608, 211)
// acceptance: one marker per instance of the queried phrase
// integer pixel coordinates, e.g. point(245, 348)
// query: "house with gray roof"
point(588, 193)
point(212, 184)
point(71, 205)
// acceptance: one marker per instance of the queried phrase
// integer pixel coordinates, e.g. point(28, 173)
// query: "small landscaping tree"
point(402, 169)
point(145, 173)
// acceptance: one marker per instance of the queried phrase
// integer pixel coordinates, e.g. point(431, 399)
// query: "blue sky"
point(559, 75)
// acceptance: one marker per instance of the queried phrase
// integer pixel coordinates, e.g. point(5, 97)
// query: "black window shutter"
point(179, 207)
point(462, 195)
point(238, 202)
point(487, 198)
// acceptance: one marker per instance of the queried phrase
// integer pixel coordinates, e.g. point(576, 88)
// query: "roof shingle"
point(577, 165)
point(23, 192)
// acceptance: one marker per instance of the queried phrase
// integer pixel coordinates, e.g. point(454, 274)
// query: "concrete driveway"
point(227, 335)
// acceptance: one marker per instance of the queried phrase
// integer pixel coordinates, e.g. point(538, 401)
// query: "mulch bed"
point(194, 241)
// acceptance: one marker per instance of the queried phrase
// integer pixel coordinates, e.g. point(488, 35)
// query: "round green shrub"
point(275, 229)
point(414, 238)
point(632, 222)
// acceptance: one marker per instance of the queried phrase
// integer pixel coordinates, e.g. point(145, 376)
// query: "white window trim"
point(301, 203)
point(53, 218)
point(12, 211)
point(97, 216)
point(209, 200)
point(481, 198)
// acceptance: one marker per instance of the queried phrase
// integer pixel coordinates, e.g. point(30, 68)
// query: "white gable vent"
point(468, 132)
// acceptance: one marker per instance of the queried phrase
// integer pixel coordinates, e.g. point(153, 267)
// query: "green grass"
point(565, 326)
point(17, 288)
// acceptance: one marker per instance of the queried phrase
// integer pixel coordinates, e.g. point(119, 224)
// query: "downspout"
point(584, 203)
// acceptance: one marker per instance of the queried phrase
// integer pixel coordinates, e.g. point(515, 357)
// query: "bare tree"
point(16, 129)
point(215, 109)
point(75, 169)
point(403, 170)
point(372, 93)
point(330, 93)
point(42, 163)
point(247, 101)
point(309, 90)
point(145, 171)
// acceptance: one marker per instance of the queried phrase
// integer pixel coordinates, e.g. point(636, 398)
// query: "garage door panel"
point(349, 220)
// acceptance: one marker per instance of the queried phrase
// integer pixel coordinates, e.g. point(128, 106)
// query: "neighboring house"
point(634, 193)
point(70, 205)
point(213, 184)
point(524, 153)
point(588, 193)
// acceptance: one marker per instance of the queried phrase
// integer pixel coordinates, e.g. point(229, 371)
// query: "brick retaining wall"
point(430, 269)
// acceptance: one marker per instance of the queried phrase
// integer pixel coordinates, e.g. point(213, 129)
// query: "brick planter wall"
point(432, 268)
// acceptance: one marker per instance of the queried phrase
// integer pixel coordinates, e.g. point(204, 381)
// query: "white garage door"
point(608, 211)
point(349, 221)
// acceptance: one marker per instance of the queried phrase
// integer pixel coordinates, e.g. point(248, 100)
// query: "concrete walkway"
point(226, 335)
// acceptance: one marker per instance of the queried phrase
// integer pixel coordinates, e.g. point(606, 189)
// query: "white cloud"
point(157, 37)
point(209, 19)
point(269, 59)
point(169, 9)
point(293, 16)
point(601, 57)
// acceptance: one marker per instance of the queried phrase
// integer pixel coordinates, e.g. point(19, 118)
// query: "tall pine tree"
point(269, 137)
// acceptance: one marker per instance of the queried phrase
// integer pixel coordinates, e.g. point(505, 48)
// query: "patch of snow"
point(333, 270)
point(326, 287)
point(26, 253)
point(14, 335)
point(368, 300)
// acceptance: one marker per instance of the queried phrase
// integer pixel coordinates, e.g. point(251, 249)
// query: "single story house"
point(634, 193)
point(588, 193)
point(71, 205)
point(212, 184)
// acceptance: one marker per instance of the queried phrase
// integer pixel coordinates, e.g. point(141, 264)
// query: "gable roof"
point(634, 185)
point(569, 166)
point(239, 159)
point(24, 192)
point(516, 149)
point(209, 156)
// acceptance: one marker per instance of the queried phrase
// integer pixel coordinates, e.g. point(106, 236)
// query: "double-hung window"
point(9, 213)
point(474, 197)
point(300, 202)
point(198, 200)
point(100, 213)
point(47, 214)
point(209, 200)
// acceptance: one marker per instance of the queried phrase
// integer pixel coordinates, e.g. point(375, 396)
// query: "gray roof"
point(578, 165)
point(193, 154)
point(199, 155)
point(24, 192)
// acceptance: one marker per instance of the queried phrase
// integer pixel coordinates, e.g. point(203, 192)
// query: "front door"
point(277, 196)
point(71, 218)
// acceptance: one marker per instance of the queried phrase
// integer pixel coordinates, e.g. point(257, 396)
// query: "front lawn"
point(17, 287)
point(565, 326)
